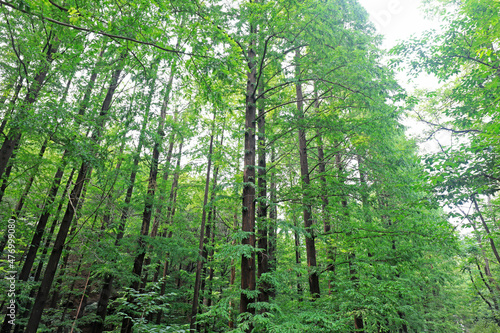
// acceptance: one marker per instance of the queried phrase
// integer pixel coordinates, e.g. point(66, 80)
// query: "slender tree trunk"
point(84, 173)
point(149, 201)
point(3, 243)
point(353, 271)
point(43, 148)
point(48, 238)
point(304, 173)
point(494, 307)
point(159, 206)
point(161, 200)
point(169, 219)
point(273, 216)
point(487, 269)
point(199, 265)
point(5, 180)
point(324, 207)
point(262, 222)
point(358, 318)
point(104, 296)
point(298, 261)
point(14, 137)
point(210, 232)
point(492, 242)
point(232, 275)
point(44, 217)
point(11, 103)
point(43, 292)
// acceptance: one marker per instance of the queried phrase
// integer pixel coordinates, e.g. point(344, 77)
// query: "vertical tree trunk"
point(84, 173)
point(27, 188)
point(14, 137)
point(5, 180)
point(44, 217)
point(199, 265)
point(298, 261)
point(161, 199)
point(262, 223)
point(248, 282)
point(11, 104)
point(43, 291)
point(232, 275)
point(48, 237)
point(273, 216)
point(358, 318)
point(304, 173)
point(353, 271)
point(149, 201)
point(324, 207)
point(210, 231)
point(169, 219)
point(5, 236)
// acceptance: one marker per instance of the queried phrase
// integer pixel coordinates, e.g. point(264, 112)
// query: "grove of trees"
point(241, 166)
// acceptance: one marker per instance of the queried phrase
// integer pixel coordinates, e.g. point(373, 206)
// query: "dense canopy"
point(242, 166)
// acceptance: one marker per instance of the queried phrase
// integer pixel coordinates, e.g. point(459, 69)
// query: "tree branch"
point(102, 33)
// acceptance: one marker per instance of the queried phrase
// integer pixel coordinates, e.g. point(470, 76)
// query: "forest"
point(244, 166)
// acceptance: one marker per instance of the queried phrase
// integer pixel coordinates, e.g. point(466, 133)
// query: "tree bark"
point(199, 265)
point(84, 173)
point(304, 173)
point(48, 237)
point(149, 201)
point(210, 232)
point(273, 216)
point(169, 219)
point(248, 282)
point(44, 217)
point(262, 222)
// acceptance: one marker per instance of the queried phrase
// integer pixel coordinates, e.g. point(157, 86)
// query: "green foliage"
point(386, 252)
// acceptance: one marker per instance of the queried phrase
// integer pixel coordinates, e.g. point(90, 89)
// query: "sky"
point(398, 20)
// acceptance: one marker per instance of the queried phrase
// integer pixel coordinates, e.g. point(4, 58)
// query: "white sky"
point(399, 20)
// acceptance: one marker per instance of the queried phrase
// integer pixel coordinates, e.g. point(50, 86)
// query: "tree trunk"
point(232, 275)
point(298, 261)
point(353, 272)
point(14, 137)
point(262, 223)
point(53, 227)
point(44, 217)
point(12, 106)
point(84, 173)
point(304, 173)
point(169, 219)
point(43, 291)
point(5, 181)
point(492, 242)
point(273, 216)
point(199, 265)
point(248, 282)
point(149, 201)
point(324, 208)
point(210, 232)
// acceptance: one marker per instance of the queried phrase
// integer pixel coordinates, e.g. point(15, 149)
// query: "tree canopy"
point(242, 166)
